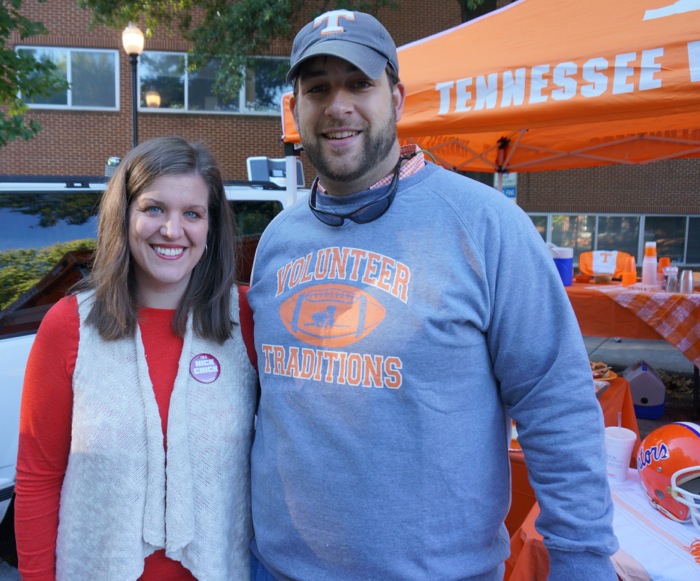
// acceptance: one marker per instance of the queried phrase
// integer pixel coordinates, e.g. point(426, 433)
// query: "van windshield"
point(36, 220)
point(46, 242)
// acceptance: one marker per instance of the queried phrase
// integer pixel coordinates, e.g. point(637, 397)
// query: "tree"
point(474, 8)
point(229, 31)
point(21, 76)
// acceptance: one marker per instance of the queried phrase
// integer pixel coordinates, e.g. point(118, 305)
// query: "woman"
point(138, 403)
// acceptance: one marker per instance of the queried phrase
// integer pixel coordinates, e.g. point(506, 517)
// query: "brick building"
point(577, 208)
point(78, 141)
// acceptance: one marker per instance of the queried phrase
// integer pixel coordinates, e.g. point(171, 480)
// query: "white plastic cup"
point(686, 283)
point(671, 276)
point(619, 443)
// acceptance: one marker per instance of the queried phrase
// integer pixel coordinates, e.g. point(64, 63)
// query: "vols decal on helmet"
point(331, 315)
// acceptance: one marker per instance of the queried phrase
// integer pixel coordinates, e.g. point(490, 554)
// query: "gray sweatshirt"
point(391, 355)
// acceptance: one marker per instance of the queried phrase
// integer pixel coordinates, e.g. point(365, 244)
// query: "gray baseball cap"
point(355, 37)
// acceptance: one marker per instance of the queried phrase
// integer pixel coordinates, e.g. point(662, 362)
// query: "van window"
point(34, 220)
point(252, 217)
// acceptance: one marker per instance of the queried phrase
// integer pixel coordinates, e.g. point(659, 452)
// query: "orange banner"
point(555, 84)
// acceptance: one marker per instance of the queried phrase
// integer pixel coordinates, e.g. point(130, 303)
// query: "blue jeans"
point(258, 572)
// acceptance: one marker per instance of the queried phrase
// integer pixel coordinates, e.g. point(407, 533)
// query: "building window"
point(575, 232)
point(167, 83)
point(163, 73)
point(540, 223)
point(693, 248)
point(92, 75)
point(669, 234)
point(265, 85)
point(618, 233)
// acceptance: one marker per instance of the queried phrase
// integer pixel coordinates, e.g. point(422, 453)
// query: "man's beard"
point(378, 147)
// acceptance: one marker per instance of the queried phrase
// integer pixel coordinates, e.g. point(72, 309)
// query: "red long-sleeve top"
point(45, 430)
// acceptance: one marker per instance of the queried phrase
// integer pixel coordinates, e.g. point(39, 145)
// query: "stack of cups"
point(649, 265)
point(619, 443)
point(629, 274)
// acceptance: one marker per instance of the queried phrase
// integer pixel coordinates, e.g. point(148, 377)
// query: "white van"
point(47, 231)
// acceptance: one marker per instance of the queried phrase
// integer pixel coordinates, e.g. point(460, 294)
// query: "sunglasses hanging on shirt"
point(364, 214)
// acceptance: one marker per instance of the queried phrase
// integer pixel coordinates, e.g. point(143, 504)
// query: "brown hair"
point(115, 310)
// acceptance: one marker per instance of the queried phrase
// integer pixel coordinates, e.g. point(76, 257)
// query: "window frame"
point(69, 91)
point(641, 239)
point(242, 108)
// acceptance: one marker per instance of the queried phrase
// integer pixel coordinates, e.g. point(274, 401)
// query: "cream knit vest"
point(116, 508)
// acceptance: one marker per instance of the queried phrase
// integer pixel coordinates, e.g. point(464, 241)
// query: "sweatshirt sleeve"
point(542, 367)
point(44, 439)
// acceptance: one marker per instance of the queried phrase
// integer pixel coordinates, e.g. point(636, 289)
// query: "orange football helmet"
point(668, 463)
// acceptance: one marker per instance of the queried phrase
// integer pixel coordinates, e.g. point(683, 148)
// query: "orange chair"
point(601, 262)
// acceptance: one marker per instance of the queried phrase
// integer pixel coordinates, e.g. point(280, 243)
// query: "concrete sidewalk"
point(621, 353)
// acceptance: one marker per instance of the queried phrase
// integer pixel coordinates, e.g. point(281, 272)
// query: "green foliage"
point(233, 31)
point(21, 73)
point(230, 31)
point(471, 9)
point(20, 270)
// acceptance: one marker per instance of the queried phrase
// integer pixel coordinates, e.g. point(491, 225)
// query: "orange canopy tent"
point(555, 84)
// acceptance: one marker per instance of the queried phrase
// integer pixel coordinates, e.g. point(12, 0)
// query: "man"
point(401, 317)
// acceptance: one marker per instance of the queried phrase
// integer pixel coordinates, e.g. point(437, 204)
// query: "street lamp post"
point(132, 39)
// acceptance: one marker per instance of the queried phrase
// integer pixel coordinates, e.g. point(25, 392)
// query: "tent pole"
point(291, 170)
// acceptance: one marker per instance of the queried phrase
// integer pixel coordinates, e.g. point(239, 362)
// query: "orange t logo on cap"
point(332, 19)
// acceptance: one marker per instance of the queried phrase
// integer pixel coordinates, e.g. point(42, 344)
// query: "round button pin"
point(205, 368)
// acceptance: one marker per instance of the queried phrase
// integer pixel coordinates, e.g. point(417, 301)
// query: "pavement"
point(661, 356)
point(622, 353)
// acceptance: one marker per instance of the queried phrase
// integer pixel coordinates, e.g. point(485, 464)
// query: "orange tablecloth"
point(616, 311)
point(529, 560)
point(674, 316)
point(599, 315)
point(617, 398)
point(651, 545)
